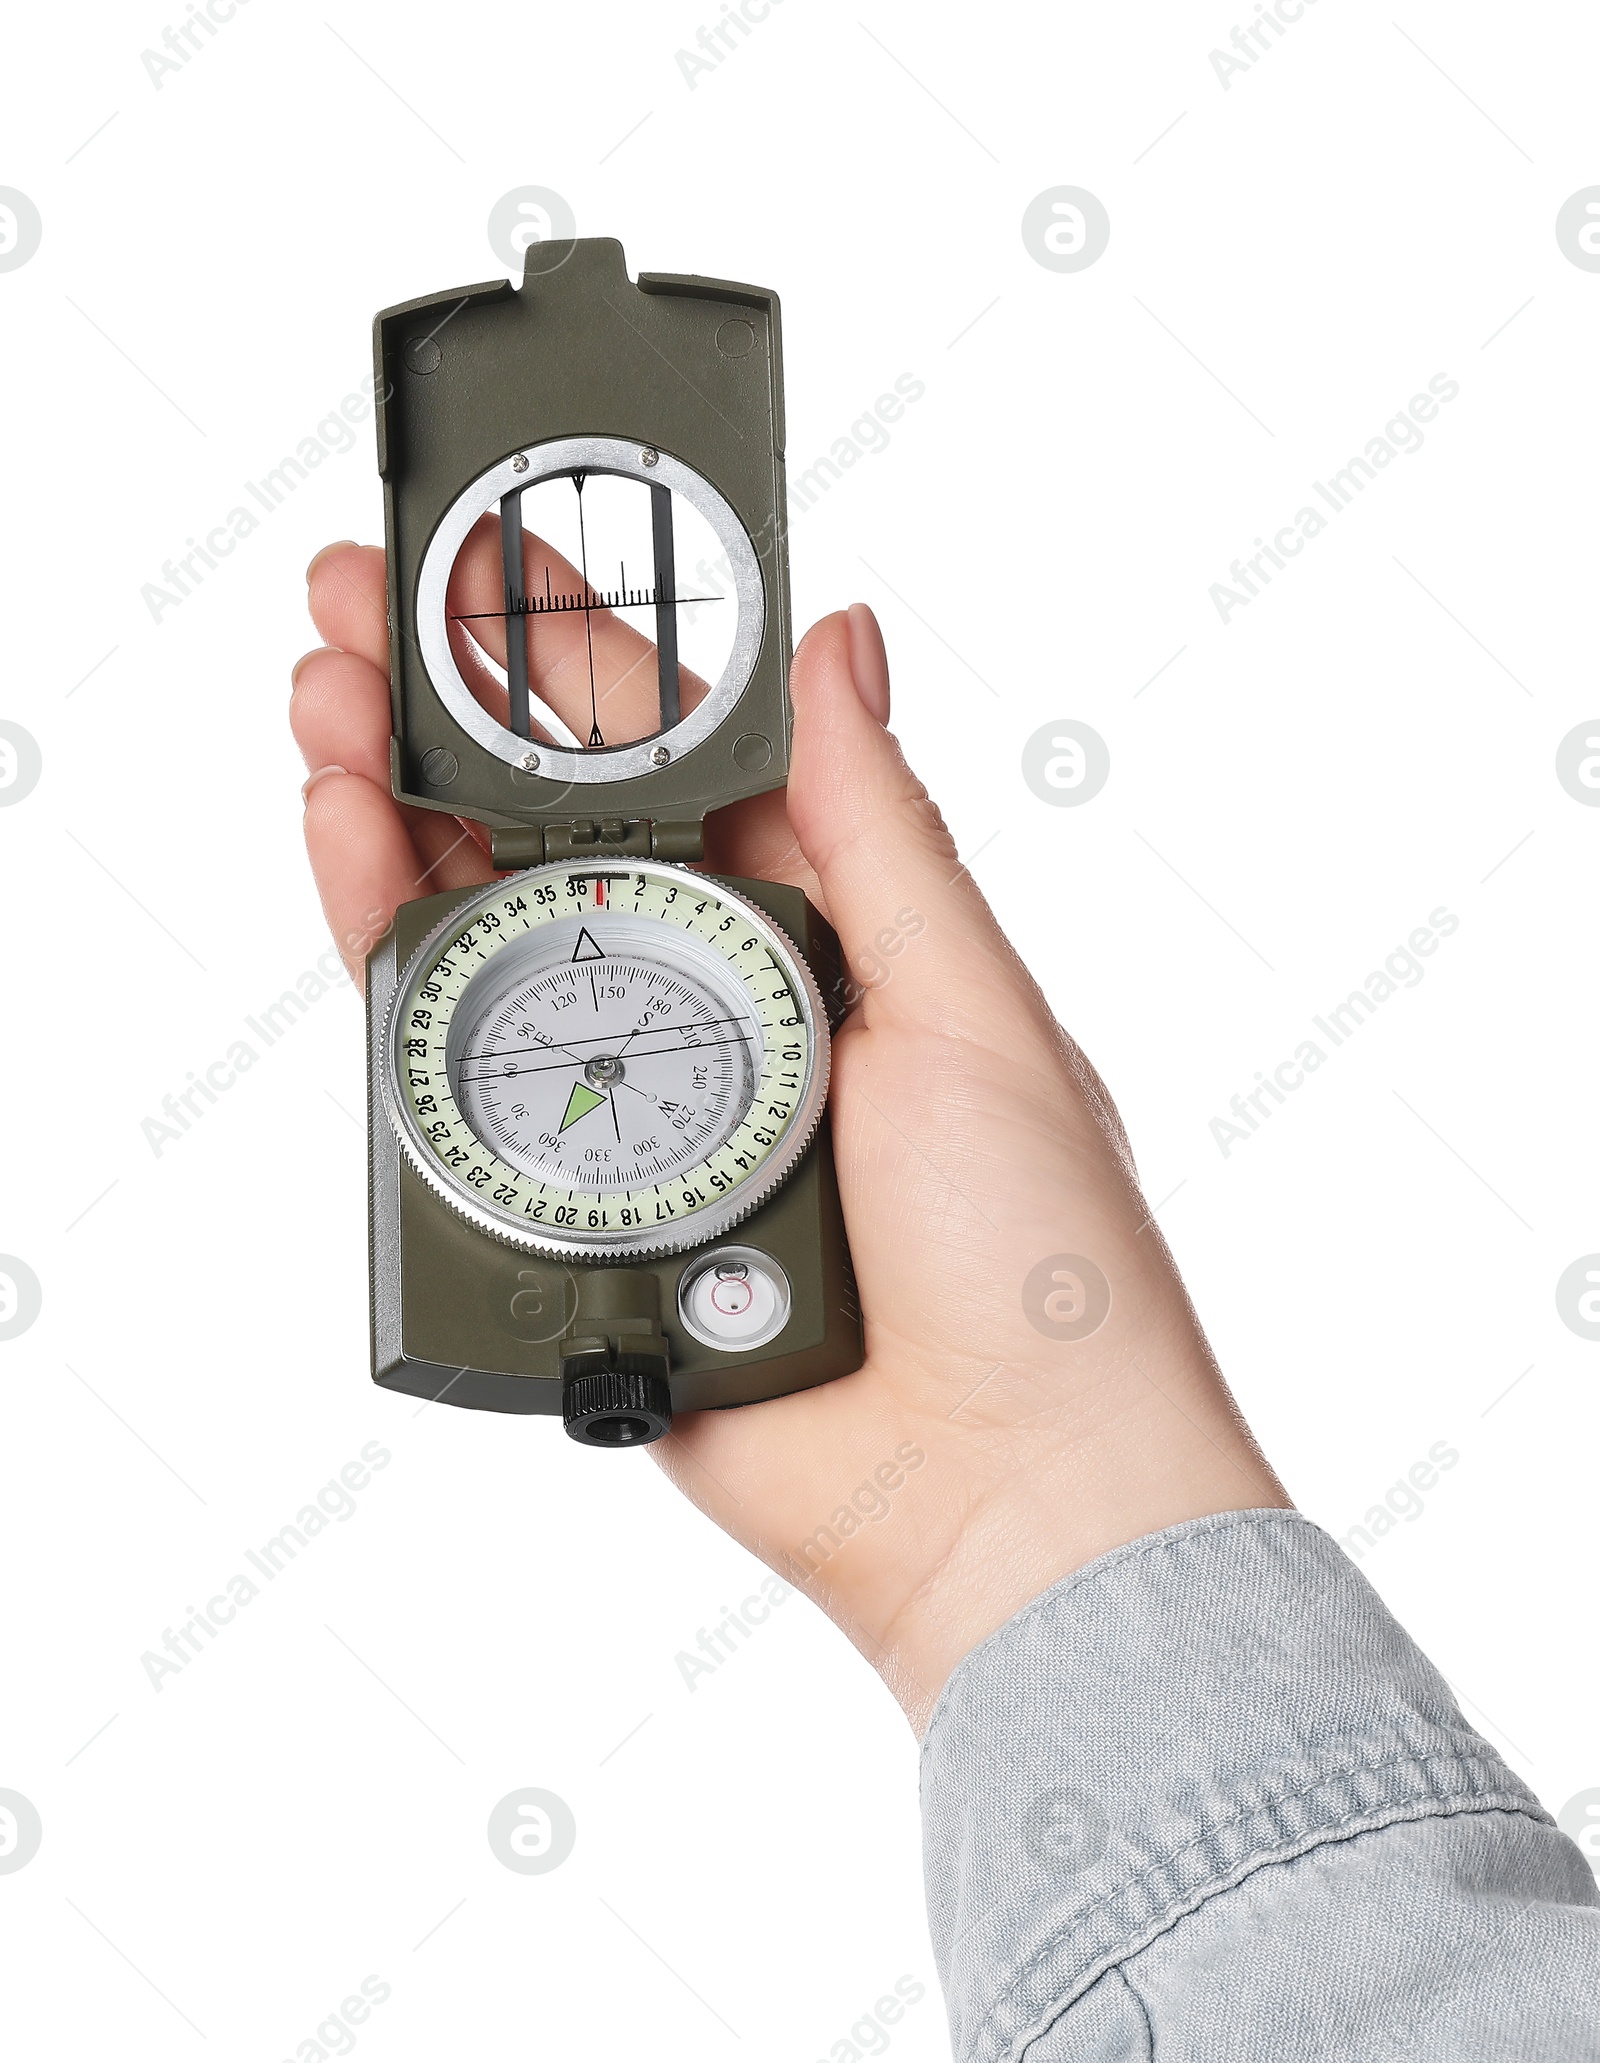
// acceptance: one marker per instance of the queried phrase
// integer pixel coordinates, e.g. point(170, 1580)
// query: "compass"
point(601, 1178)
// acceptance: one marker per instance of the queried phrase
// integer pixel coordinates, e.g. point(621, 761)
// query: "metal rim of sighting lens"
point(525, 468)
point(646, 1240)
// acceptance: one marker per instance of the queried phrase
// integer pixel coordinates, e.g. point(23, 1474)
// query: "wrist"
point(936, 1550)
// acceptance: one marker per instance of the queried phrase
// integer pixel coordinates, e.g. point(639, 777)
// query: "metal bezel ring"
point(594, 455)
point(647, 1241)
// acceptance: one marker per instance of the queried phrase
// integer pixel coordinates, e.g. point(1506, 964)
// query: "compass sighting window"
point(590, 609)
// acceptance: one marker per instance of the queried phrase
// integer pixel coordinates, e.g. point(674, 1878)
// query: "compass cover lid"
point(672, 383)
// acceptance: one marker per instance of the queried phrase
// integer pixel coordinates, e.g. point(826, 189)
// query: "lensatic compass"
point(601, 1180)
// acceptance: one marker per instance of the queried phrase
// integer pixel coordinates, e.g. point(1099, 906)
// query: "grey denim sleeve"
point(1204, 1801)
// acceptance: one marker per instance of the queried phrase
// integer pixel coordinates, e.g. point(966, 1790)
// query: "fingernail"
point(869, 662)
point(344, 544)
point(321, 774)
point(315, 653)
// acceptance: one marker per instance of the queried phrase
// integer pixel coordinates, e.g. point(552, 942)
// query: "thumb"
point(900, 899)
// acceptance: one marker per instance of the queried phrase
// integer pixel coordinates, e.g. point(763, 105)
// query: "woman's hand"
point(978, 1455)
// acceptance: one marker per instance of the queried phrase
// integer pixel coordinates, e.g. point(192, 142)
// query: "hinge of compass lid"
point(581, 838)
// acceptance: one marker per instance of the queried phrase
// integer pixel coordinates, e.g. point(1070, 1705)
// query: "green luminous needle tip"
point(579, 1104)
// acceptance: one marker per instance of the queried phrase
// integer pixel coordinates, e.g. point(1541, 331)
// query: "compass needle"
point(579, 1104)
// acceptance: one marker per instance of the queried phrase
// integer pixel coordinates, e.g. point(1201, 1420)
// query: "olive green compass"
point(601, 1179)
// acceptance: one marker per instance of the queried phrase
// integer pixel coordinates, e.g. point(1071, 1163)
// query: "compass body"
point(601, 1177)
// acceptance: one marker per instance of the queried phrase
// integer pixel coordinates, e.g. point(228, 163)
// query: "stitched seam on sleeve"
point(1361, 1767)
point(1170, 1856)
point(1373, 1765)
point(1096, 1571)
point(1267, 1851)
point(1347, 1828)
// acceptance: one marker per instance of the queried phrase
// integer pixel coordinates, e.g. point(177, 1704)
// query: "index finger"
point(348, 602)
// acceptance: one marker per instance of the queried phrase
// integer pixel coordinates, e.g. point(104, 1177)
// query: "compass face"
point(606, 1060)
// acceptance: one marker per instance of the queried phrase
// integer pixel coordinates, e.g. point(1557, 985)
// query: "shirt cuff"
point(1187, 1709)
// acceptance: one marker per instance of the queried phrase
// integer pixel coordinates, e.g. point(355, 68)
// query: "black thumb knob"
point(609, 1409)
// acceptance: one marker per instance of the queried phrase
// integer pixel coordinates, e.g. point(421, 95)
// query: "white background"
point(1291, 794)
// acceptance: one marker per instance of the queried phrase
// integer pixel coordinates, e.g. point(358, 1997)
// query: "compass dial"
point(606, 1060)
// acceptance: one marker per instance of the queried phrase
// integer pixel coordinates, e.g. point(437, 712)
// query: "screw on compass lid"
point(615, 1410)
